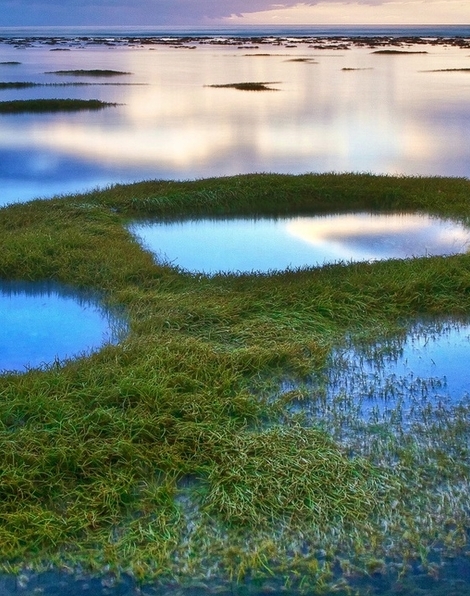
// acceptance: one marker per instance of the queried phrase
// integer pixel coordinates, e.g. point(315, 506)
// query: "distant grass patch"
point(89, 73)
point(17, 85)
point(28, 84)
point(307, 60)
point(406, 52)
point(18, 106)
point(449, 70)
point(247, 86)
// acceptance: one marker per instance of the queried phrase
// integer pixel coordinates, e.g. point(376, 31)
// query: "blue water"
point(247, 31)
point(45, 323)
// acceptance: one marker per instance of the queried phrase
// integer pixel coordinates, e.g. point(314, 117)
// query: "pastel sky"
point(231, 12)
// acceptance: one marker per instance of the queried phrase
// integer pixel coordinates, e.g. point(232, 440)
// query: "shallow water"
point(385, 114)
point(42, 323)
point(235, 245)
point(401, 381)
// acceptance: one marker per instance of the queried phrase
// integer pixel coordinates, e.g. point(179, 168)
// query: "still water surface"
point(337, 110)
point(236, 245)
point(42, 323)
point(403, 377)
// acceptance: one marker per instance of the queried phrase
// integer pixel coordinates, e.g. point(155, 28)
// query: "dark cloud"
point(137, 12)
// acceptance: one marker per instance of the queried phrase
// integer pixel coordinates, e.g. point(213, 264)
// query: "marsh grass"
point(450, 70)
point(394, 52)
point(21, 106)
point(27, 84)
point(89, 73)
point(246, 86)
point(168, 457)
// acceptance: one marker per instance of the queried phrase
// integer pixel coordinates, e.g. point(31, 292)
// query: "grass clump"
point(90, 73)
point(246, 86)
point(175, 456)
point(394, 52)
point(450, 70)
point(21, 106)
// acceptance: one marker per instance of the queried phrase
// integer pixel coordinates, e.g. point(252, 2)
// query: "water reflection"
point(405, 382)
point(387, 114)
point(41, 323)
point(270, 244)
point(427, 366)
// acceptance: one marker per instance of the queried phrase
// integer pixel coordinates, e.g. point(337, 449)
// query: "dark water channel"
point(453, 580)
point(264, 244)
point(44, 323)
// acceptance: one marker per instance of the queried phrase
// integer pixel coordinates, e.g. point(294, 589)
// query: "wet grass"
point(255, 86)
point(173, 456)
point(22, 106)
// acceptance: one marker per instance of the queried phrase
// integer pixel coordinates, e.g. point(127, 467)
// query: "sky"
point(18, 13)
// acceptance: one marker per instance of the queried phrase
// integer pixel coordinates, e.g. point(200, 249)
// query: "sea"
point(331, 104)
point(436, 30)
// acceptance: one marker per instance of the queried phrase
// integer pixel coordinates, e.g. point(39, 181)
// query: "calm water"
point(427, 366)
point(389, 114)
point(42, 323)
point(235, 245)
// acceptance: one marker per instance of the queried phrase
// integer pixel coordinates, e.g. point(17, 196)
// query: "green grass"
point(21, 106)
point(173, 455)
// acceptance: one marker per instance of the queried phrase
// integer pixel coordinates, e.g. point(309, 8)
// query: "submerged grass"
point(168, 456)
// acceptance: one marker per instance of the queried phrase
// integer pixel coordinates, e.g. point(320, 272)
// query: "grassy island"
point(248, 86)
point(175, 457)
point(21, 106)
point(94, 72)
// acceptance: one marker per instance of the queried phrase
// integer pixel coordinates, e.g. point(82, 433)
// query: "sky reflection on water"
point(238, 245)
point(41, 323)
point(403, 381)
point(389, 114)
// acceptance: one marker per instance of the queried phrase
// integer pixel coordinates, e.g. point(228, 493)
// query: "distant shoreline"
point(321, 39)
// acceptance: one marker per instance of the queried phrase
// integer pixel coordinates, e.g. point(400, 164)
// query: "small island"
point(22, 106)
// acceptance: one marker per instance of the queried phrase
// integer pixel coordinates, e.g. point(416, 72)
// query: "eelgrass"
point(169, 456)
point(21, 106)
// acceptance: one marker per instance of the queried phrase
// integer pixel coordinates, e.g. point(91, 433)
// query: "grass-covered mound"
point(21, 106)
point(169, 455)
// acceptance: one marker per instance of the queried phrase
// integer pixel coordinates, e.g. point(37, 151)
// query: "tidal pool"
point(243, 245)
point(43, 323)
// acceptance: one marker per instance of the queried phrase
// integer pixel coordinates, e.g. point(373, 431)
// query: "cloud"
point(167, 12)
